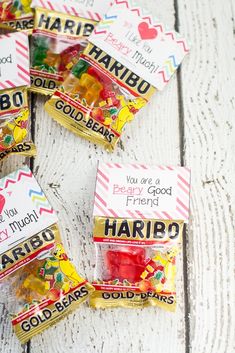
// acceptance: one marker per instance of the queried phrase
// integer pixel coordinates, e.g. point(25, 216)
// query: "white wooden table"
point(192, 122)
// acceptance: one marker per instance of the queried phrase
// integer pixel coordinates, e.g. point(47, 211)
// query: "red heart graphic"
point(2, 203)
point(146, 32)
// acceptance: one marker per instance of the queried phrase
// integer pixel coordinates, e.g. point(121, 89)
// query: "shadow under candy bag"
point(125, 62)
point(39, 282)
point(14, 109)
point(59, 36)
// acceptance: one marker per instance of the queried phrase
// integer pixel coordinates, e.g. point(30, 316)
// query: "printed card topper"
point(141, 191)
point(90, 9)
point(14, 60)
point(144, 47)
point(24, 209)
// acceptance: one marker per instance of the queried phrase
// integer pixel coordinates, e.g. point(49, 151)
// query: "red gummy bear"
point(67, 55)
point(106, 93)
point(126, 263)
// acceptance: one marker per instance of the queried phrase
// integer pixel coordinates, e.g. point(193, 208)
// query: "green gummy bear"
point(40, 48)
point(7, 139)
point(158, 275)
point(59, 277)
point(113, 111)
point(80, 68)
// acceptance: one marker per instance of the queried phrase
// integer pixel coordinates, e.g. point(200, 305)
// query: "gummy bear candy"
point(16, 14)
point(126, 263)
point(56, 46)
point(92, 88)
point(41, 286)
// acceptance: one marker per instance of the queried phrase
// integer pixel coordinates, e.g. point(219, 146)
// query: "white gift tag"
point(144, 47)
point(141, 191)
point(24, 209)
point(14, 60)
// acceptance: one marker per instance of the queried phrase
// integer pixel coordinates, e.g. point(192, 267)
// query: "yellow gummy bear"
point(26, 5)
point(18, 13)
point(35, 284)
point(93, 88)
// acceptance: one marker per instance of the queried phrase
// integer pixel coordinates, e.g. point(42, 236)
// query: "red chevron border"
point(12, 179)
point(181, 41)
point(22, 59)
point(46, 210)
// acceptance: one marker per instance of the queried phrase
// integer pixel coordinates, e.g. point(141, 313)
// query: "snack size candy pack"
point(40, 282)
point(60, 34)
point(14, 109)
point(139, 215)
point(127, 59)
point(17, 14)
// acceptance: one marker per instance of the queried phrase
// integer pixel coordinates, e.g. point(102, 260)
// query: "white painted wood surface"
point(191, 122)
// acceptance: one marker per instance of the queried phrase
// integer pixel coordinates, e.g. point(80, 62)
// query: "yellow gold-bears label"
point(35, 321)
point(101, 299)
point(24, 24)
point(46, 283)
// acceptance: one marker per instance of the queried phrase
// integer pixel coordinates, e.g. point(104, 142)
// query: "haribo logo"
point(13, 100)
point(76, 26)
point(116, 69)
point(141, 229)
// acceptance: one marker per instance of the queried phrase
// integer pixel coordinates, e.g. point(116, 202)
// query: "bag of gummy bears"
point(14, 109)
point(60, 33)
point(127, 59)
point(16, 14)
point(39, 282)
point(139, 215)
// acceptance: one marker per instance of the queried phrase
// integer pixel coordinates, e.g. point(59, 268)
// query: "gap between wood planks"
point(182, 163)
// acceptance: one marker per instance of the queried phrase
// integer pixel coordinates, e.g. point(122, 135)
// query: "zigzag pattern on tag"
point(169, 68)
point(102, 192)
point(15, 177)
point(105, 24)
point(40, 201)
point(22, 59)
point(171, 64)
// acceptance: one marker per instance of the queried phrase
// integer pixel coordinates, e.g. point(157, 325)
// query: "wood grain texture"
point(208, 109)
point(190, 122)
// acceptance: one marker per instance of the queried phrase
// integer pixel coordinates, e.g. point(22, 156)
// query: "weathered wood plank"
point(208, 105)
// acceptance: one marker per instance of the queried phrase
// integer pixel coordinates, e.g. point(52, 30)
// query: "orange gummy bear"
point(92, 88)
point(52, 59)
